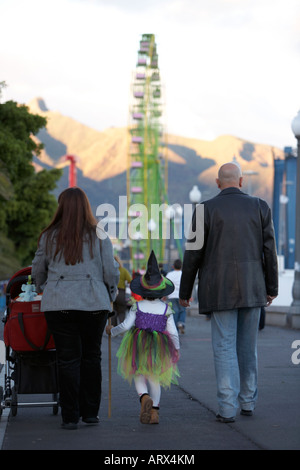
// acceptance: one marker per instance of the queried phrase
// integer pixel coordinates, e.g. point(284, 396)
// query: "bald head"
point(229, 176)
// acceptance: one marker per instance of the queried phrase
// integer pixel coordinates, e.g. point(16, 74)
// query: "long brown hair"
point(73, 221)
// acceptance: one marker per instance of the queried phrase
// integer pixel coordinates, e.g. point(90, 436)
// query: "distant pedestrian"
point(149, 350)
point(78, 277)
point(179, 310)
point(238, 274)
point(162, 270)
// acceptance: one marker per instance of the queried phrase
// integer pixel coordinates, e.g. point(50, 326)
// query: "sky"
point(227, 66)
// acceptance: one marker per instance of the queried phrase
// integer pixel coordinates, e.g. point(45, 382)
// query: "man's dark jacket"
point(237, 265)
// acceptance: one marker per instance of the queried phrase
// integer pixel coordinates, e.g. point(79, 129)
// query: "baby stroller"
point(29, 348)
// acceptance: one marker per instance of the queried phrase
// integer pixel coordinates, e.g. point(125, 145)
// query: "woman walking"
point(78, 277)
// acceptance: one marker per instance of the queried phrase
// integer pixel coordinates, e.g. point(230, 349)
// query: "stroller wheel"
point(14, 402)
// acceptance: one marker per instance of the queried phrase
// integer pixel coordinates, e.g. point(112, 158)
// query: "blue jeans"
point(179, 311)
point(234, 342)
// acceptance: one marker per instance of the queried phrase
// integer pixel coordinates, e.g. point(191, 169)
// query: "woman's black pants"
point(77, 336)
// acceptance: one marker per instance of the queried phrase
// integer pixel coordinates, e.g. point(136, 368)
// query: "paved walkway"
point(187, 414)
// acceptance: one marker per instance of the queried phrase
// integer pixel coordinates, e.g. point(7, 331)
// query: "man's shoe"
point(222, 419)
point(92, 420)
point(246, 412)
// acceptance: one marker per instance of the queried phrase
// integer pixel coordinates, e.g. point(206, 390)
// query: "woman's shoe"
point(146, 407)
point(69, 426)
point(91, 420)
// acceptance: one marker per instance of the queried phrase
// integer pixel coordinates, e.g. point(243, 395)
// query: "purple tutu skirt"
point(148, 353)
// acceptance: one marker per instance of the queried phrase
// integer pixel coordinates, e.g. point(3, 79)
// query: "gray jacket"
point(90, 285)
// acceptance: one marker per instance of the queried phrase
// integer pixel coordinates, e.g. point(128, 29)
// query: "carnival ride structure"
point(147, 169)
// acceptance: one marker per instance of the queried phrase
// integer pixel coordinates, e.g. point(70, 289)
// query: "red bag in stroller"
point(30, 348)
point(26, 327)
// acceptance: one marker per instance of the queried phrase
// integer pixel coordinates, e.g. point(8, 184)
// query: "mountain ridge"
point(102, 159)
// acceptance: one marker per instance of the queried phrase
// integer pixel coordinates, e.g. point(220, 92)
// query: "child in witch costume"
point(149, 350)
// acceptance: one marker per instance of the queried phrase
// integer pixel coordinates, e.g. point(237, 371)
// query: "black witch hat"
point(152, 284)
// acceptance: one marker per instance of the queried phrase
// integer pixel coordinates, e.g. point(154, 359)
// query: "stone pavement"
point(187, 414)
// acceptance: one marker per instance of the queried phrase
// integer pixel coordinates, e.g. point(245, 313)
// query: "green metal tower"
point(147, 163)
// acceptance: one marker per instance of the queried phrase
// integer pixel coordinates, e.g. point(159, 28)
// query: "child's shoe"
point(146, 407)
point(154, 419)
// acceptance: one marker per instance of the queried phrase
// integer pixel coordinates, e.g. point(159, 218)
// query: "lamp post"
point(295, 306)
point(195, 197)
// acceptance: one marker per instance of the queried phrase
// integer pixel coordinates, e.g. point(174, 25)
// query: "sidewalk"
point(187, 414)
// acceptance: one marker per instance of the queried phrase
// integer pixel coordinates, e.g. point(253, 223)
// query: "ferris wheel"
point(147, 164)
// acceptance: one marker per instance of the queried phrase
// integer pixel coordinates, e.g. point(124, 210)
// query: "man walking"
point(238, 274)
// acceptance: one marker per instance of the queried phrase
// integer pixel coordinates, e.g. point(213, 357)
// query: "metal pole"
point(296, 284)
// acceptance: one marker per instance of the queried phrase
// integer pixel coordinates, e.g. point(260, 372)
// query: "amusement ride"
point(147, 170)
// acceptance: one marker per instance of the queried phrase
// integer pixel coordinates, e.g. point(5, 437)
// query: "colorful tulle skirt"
point(148, 353)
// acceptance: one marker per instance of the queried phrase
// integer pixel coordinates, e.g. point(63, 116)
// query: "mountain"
point(102, 159)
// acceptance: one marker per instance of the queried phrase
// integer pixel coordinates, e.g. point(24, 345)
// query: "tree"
point(26, 204)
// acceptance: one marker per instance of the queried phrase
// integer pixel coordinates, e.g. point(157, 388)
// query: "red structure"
point(72, 171)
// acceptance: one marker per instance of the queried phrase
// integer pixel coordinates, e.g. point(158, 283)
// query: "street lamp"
point(195, 196)
point(295, 307)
